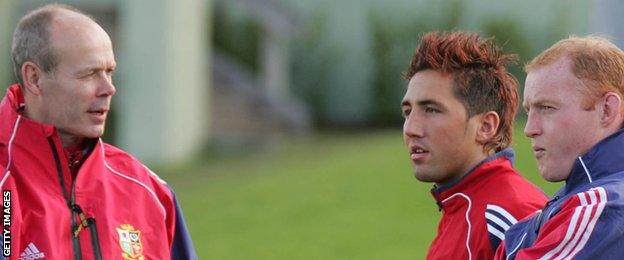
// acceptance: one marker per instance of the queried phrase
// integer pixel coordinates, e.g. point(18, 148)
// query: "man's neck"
point(469, 167)
point(70, 140)
point(28, 113)
point(67, 140)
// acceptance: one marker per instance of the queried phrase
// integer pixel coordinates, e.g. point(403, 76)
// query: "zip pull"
point(541, 216)
point(90, 224)
point(551, 201)
point(84, 221)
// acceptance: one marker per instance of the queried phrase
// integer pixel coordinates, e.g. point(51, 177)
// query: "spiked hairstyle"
point(480, 79)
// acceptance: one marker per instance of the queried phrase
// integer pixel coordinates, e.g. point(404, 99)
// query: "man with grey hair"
point(66, 193)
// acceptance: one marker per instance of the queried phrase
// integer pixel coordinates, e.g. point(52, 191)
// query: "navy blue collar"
point(603, 159)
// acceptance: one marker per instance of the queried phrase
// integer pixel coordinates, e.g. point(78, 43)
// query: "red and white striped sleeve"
point(566, 235)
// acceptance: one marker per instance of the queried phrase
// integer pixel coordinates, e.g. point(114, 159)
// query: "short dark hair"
point(31, 39)
point(480, 80)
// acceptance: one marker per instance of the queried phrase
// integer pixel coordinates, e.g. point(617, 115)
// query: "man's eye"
point(431, 110)
point(406, 112)
point(88, 74)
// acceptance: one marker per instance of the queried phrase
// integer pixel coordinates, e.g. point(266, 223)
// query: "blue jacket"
point(585, 219)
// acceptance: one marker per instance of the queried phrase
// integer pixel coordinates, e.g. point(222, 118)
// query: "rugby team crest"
point(130, 242)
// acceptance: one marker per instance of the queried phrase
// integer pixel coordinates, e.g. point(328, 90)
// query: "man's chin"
point(97, 131)
point(423, 176)
point(551, 176)
point(92, 133)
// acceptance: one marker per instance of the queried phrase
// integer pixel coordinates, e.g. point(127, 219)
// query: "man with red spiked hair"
point(459, 108)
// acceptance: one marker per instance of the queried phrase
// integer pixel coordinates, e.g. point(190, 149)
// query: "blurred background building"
point(236, 73)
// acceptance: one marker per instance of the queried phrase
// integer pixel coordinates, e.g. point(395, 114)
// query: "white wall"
point(164, 89)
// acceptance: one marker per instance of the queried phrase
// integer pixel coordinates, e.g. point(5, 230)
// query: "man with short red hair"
point(459, 109)
point(573, 96)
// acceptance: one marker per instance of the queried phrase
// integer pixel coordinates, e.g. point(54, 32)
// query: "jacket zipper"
point(68, 199)
point(95, 241)
point(84, 222)
point(90, 223)
point(542, 215)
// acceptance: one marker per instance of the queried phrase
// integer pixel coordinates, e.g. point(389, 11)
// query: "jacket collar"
point(10, 108)
point(32, 137)
point(475, 174)
point(603, 159)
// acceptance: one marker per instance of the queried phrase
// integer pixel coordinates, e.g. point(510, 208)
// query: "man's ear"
point(31, 75)
point(611, 108)
point(488, 126)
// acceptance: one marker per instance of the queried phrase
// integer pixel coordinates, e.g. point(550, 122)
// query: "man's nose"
point(412, 127)
point(532, 127)
point(106, 88)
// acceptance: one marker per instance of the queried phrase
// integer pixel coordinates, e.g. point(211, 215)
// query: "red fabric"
point(39, 210)
point(500, 252)
point(494, 183)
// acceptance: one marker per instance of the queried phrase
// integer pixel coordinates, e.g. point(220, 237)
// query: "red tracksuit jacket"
point(115, 207)
point(480, 207)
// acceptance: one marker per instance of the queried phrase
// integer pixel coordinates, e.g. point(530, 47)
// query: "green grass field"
point(339, 196)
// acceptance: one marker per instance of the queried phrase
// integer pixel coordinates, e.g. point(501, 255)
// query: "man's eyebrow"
point(96, 67)
point(429, 102)
point(88, 68)
point(539, 101)
point(422, 103)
